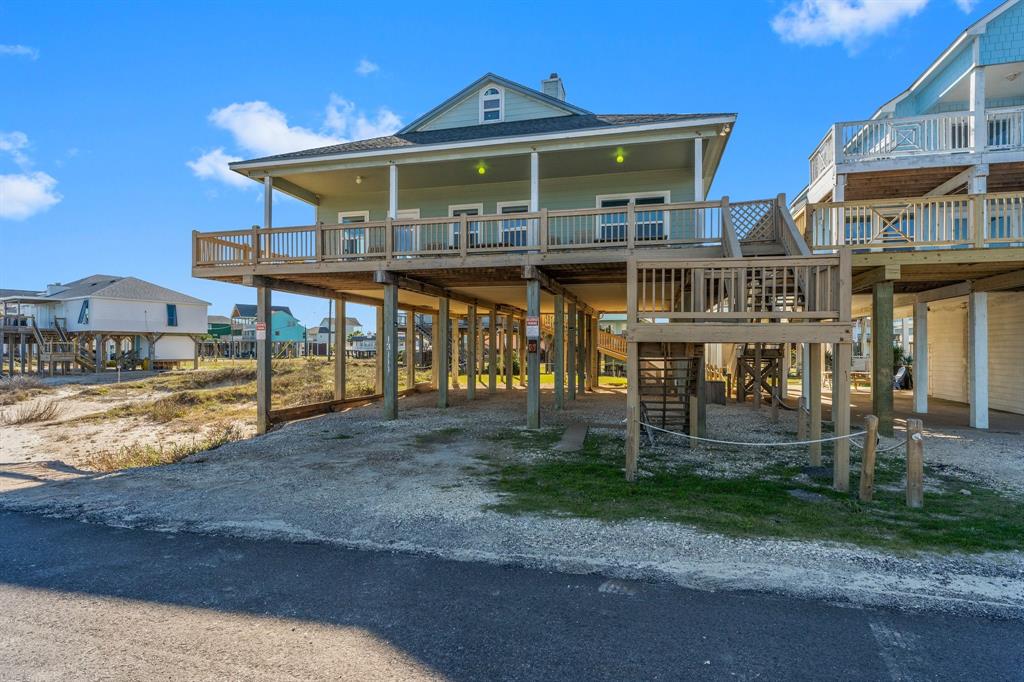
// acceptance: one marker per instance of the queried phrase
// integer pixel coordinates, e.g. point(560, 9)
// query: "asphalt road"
point(80, 601)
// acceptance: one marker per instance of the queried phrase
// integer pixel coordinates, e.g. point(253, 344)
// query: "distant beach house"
point(284, 329)
point(99, 319)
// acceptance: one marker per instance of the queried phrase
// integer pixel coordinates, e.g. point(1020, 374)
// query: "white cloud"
point(366, 67)
point(19, 51)
point(13, 143)
point(214, 166)
point(966, 6)
point(261, 130)
point(850, 22)
point(24, 195)
point(346, 121)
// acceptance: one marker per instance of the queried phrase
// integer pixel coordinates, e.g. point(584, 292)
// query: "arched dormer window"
point(492, 105)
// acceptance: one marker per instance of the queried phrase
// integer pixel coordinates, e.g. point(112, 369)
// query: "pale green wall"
point(467, 112)
point(555, 193)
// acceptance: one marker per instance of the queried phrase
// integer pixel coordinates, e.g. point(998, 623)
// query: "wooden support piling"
point(387, 346)
point(471, 348)
point(559, 351)
point(814, 404)
point(915, 464)
point(410, 348)
point(492, 350)
point(867, 464)
point(842, 357)
point(881, 356)
point(532, 356)
point(570, 355)
point(441, 351)
point(264, 356)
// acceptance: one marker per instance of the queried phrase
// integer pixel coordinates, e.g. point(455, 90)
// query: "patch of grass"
point(439, 436)
point(139, 455)
point(591, 484)
point(28, 413)
point(527, 439)
point(20, 387)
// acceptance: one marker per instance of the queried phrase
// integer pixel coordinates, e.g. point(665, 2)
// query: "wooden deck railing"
point(628, 227)
point(739, 290)
point(922, 222)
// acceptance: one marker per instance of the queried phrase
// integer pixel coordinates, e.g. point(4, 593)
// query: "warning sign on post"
point(261, 331)
point(533, 327)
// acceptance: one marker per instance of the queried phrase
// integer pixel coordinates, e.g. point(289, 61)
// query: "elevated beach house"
point(514, 204)
point(101, 319)
point(928, 193)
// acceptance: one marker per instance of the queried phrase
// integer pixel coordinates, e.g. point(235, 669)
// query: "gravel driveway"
point(409, 485)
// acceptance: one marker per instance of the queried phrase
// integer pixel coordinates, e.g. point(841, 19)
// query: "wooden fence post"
point(867, 464)
point(915, 464)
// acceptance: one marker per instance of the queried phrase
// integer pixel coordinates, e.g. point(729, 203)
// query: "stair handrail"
point(730, 242)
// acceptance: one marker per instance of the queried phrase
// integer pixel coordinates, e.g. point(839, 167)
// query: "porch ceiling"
point(1002, 81)
point(914, 182)
point(593, 160)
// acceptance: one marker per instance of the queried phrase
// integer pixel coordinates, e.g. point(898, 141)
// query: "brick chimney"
point(553, 86)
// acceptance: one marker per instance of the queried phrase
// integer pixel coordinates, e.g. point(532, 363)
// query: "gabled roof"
point(976, 28)
point(249, 309)
point(115, 287)
point(535, 126)
point(218, 319)
point(503, 82)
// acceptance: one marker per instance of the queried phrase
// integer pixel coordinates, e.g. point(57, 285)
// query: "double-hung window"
point(172, 315)
point(651, 223)
point(354, 241)
point(472, 226)
point(514, 231)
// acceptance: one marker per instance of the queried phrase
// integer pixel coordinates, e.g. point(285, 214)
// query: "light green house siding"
point(555, 193)
point(467, 112)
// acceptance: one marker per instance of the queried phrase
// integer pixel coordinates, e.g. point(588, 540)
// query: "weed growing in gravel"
point(776, 500)
point(439, 436)
point(139, 455)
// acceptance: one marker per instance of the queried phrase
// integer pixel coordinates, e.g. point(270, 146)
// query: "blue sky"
point(115, 118)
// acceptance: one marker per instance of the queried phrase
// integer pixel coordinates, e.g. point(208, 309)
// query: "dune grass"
point(143, 455)
point(30, 412)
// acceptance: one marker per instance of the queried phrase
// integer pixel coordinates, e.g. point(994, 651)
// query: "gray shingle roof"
point(113, 286)
point(249, 309)
point(536, 126)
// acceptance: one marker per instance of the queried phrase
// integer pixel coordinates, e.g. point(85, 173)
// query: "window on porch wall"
point(650, 224)
point(515, 232)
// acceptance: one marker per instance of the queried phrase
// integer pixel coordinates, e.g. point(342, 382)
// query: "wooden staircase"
point(669, 380)
point(612, 345)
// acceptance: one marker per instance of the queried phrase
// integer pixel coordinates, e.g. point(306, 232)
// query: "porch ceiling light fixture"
point(481, 168)
point(620, 155)
point(359, 179)
point(1012, 76)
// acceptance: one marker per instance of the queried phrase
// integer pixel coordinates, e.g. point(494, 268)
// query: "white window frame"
point(411, 214)
point(365, 215)
point(633, 196)
point(452, 208)
point(525, 228)
point(501, 103)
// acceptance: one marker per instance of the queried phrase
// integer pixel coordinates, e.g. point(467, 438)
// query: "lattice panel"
point(754, 221)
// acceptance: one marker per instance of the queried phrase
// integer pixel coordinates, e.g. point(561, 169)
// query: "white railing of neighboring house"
point(824, 156)
point(956, 221)
point(912, 136)
point(628, 227)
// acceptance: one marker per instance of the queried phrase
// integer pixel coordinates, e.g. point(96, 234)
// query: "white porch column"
point(839, 191)
point(268, 201)
point(698, 169)
point(977, 363)
point(921, 358)
point(534, 181)
point(905, 334)
point(977, 102)
point(534, 230)
point(393, 191)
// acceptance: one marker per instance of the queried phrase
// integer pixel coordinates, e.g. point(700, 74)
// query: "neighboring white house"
point(325, 333)
point(108, 315)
